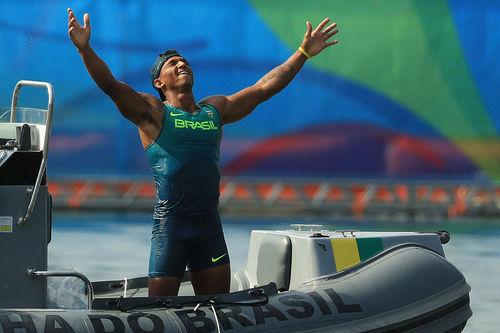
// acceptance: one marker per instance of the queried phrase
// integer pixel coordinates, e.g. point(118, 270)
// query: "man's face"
point(175, 73)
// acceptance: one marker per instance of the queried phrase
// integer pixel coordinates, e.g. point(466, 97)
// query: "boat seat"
point(269, 260)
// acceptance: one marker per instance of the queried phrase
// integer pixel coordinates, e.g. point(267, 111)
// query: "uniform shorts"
point(194, 241)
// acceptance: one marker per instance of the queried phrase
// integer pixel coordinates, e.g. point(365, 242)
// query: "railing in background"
point(292, 197)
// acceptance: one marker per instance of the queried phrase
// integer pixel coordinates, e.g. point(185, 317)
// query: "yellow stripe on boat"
point(345, 252)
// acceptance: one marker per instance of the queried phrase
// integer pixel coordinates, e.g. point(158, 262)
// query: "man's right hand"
point(79, 35)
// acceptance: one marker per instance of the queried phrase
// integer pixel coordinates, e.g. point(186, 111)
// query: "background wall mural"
point(409, 92)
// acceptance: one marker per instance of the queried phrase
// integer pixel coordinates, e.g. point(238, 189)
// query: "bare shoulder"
point(219, 101)
point(153, 101)
point(154, 113)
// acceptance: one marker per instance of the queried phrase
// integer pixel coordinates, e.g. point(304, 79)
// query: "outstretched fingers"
point(79, 35)
point(72, 20)
point(330, 28)
point(321, 25)
point(331, 43)
point(315, 41)
point(330, 34)
point(71, 14)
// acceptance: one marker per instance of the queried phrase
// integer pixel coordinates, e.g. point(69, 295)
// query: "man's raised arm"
point(242, 103)
point(133, 105)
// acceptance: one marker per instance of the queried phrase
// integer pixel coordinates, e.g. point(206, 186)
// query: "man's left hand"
point(316, 40)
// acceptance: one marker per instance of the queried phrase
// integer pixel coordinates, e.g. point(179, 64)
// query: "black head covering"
point(158, 64)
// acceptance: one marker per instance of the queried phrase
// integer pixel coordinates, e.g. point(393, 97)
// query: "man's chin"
point(186, 83)
point(186, 78)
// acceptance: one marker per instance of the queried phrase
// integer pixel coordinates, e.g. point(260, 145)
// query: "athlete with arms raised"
point(181, 138)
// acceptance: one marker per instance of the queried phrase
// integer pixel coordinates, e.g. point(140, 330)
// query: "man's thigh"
point(210, 266)
point(168, 257)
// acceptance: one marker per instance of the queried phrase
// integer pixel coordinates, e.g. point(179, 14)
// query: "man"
point(181, 138)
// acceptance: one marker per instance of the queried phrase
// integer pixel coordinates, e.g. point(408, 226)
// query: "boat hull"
point(405, 289)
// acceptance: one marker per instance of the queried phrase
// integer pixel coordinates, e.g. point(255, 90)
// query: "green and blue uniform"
point(184, 160)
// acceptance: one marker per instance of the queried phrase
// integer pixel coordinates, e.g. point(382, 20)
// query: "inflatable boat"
point(304, 279)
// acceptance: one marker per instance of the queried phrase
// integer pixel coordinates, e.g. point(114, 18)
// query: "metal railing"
point(90, 290)
point(32, 192)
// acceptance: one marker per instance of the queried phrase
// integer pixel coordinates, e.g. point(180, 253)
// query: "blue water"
point(113, 246)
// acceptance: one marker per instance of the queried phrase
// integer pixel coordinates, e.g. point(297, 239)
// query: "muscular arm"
point(242, 103)
point(134, 106)
point(278, 78)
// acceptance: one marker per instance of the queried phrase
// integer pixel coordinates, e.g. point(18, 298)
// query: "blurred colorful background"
point(409, 92)
point(395, 128)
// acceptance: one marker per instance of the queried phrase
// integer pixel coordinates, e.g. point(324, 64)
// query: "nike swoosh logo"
point(218, 258)
point(175, 114)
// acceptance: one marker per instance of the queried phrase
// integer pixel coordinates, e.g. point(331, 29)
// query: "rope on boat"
point(213, 310)
point(125, 286)
point(123, 304)
point(216, 318)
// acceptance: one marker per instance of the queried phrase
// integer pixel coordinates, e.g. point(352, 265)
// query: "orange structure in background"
point(345, 197)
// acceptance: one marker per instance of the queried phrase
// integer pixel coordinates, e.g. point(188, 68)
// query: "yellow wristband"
point(301, 49)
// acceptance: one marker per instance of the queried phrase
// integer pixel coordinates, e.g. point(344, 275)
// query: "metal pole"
point(33, 192)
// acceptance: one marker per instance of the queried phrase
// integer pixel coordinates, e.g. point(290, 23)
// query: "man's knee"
point(213, 280)
point(163, 286)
